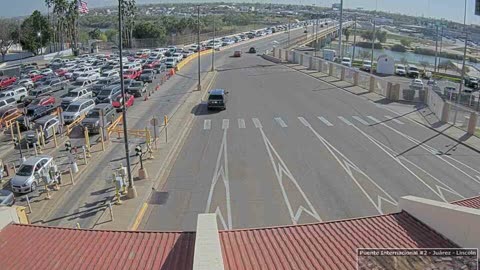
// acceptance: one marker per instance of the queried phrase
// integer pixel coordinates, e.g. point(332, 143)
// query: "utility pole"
point(214, 44)
point(374, 35)
point(354, 38)
point(199, 88)
point(464, 50)
point(132, 192)
point(316, 37)
point(288, 44)
point(436, 50)
point(340, 31)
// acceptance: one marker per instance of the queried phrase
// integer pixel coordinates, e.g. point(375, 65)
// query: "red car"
point(117, 103)
point(151, 64)
point(7, 81)
point(43, 101)
point(35, 77)
point(61, 72)
point(132, 74)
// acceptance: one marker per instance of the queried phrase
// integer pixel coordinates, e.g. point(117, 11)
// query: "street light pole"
point(199, 88)
point(214, 44)
point(354, 38)
point(436, 50)
point(464, 50)
point(340, 31)
point(132, 192)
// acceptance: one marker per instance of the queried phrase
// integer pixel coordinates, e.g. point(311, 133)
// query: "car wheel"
point(33, 187)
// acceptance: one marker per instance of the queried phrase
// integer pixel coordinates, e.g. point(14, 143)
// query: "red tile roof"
point(36, 247)
point(473, 202)
point(328, 245)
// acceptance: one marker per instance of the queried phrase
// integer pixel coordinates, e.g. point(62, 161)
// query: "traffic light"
point(68, 146)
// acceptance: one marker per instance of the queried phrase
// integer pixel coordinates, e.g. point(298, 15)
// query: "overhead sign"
point(477, 7)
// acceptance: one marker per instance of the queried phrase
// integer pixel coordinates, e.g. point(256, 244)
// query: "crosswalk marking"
point(345, 120)
point(374, 119)
point(225, 123)
point(241, 123)
point(325, 121)
point(359, 119)
point(207, 124)
point(257, 123)
point(394, 119)
point(304, 122)
point(281, 122)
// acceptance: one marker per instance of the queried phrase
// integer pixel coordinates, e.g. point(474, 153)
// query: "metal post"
point(436, 50)
point(354, 38)
point(28, 204)
point(132, 193)
point(102, 140)
point(213, 48)
point(373, 45)
point(316, 38)
point(199, 87)
point(165, 121)
point(288, 43)
point(340, 31)
point(111, 210)
point(71, 176)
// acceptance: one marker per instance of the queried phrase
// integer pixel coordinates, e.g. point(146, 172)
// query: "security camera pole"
point(132, 192)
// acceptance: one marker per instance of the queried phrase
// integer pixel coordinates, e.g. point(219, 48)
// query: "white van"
point(330, 55)
point(76, 109)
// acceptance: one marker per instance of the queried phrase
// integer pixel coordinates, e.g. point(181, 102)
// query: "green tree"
point(35, 32)
point(9, 35)
point(405, 42)
point(95, 34)
point(112, 35)
point(367, 35)
point(364, 54)
point(148, 30)
point(381, 36)
point(346, 33)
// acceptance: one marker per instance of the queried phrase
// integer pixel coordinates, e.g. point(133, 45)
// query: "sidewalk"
point(129, 214)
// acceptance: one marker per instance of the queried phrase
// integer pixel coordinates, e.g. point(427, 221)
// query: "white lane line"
point(345, 120)
point(225, 123)
point(207, 124)
point(325, 121)
point(221, 171)
point(283, 174)
point(377, 197)
point(281, 122)
point(241, 123)
point(394, 119)
point(375, 120)
point(304, 122)
point(257, 123)
point(359, 119)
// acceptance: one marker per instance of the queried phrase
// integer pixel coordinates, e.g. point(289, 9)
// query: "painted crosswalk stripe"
point(374, 119)
point(359, 119)
point(345, 120)
point(241, 123)
point(394, 119)
point(225, 123)
point(207, 124)
point(304, 122)
point(325, 121)
point(281, 122)
point(257, 123)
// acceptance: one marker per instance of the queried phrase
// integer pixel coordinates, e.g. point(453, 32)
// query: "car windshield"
point(25, 170)
point(215, 97)
point(73, 94)
point(2, 95)
point(147, 72)
point(105, 92)
point(77, 83)
point(72, 108)
point(136, 84)
point(93, 114)
point(35, 102)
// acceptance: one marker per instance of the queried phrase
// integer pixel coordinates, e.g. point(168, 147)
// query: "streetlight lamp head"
point(39, 34)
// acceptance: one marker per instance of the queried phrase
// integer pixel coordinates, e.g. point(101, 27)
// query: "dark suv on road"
point(217, 99)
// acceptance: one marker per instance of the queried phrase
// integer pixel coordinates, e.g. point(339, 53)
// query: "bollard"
point(355, 78)
point(342, 74)
point(71, 176)
point(28, 204)
point(85, 161)
point(142, 173)
point(55, 139)
point(111, 211)
point(34, 148)
point(42, 138)
point(102, 139)
point(330, 69)
point(371, 87)
point(87, 142)
point(78, 225)
point(472, 123)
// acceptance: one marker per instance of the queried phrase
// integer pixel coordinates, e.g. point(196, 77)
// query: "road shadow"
point(201, 109)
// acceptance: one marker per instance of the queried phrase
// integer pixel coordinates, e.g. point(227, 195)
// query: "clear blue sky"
point(448, 9)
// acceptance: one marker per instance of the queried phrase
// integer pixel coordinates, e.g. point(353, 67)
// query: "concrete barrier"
point(472, 123)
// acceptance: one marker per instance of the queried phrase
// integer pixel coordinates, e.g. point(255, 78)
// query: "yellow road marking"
point(139, 217)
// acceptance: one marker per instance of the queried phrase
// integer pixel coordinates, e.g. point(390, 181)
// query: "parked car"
point(416, 84)
point(412, 71)
point(7, 102)
point(92, 120)
point(28, 176)
point(56, 84)
point(171, 62)
point(137, 88)
point(26, 82)
point(35, 77)
point(400, 70)
point(6, 197)
point(33, 113)
point(108, 94)
point(217, 99)
point(49, 124)
point(42, 101)
point(6, 81)
point(366, 66)
point(74, 95)
point(132, 74)
point(471, 82)
point(77, 109)
point(18, 93)
point(347, 61)
point(150, 64)
point(46, 72)
point(117, 102)
point(80, 84)
point(102, 84)
point(148, 75)
point(90, 75)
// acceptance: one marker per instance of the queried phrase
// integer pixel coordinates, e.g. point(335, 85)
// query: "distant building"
point(336, 6)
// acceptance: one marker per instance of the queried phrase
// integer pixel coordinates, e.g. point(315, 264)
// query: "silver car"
point(29, 175)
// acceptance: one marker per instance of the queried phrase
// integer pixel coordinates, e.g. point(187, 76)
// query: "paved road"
point(92, 189)
point(290, 149)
